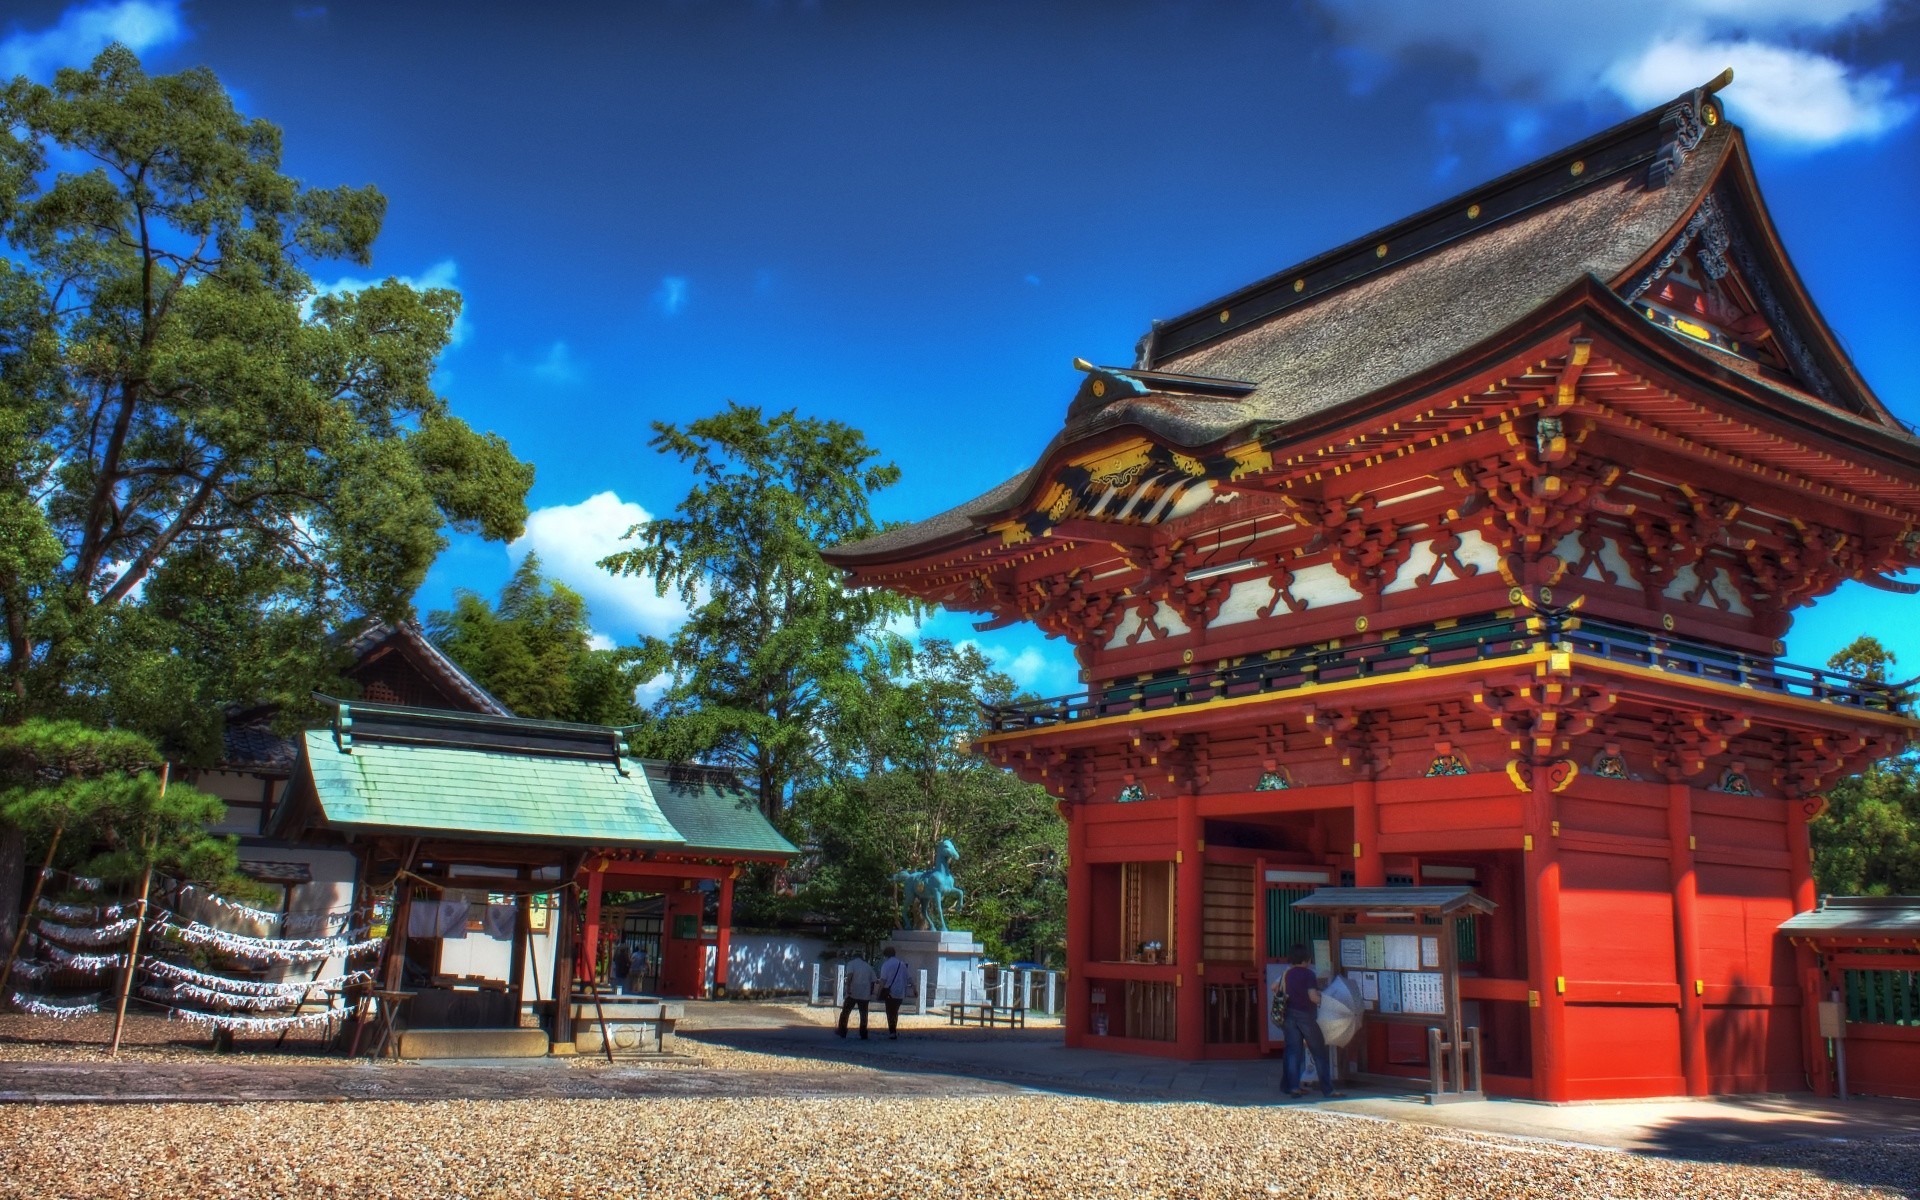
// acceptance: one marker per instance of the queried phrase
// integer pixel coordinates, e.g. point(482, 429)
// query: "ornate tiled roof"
point(1324, 336)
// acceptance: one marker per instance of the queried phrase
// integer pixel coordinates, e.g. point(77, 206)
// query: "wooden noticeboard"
point(1404, 967)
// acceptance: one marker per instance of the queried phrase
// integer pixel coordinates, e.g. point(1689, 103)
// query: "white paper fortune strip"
point(35, 1006)
point(315, 1020)
point(104, 935)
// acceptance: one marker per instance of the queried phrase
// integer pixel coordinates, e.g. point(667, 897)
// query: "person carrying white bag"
point(1302, 1026)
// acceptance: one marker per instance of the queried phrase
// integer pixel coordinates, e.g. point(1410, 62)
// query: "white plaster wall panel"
point(1570, 551)
point(1686, 579)
point(1163, 616)
point(1321, 586)
point(1477, 551)
point(1683, 581)
point(1170, 621)
point(1617, 563)
point(1244, 602)
point(1724, 588)
point(1418, 562)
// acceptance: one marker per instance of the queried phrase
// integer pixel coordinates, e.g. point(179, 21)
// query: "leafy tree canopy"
point(101, 792)
point(533, 650)
point(1867, 843)
point(207, 461)
point(906, 780)
point(771, 632)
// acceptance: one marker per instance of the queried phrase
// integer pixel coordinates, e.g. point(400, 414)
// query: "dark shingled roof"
point(1362, 327)
point(256, 747)
point(1858, 916)
point(1442, 900)
point(431, 659)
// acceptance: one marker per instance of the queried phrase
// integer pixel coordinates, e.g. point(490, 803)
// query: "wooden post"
point(1369, 869)
point(1450, 969)
point(1079, 924)
point(725, 945)
point(397, 933)
point(563, 956)
point(139, 927)
point(1547, 1004)
point(26, 915)
point(1686, 938)
point(522, 932)
point(606, 1035)
point(1189, 944)
point(1813, 989)
point(590, 935)
point(1800, 855)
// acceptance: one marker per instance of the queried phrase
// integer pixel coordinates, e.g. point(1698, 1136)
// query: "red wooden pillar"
point(1079, 926)
point(724, 946)
point(1190, 995)
point(1800, 853)
point(1686, 938)
point(1260, 946)
point(1545, 971)
point(1369, 869)
point(590, 940)
point(1813, 989)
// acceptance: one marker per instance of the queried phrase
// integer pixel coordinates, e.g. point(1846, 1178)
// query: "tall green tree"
point(1867, 843)
point(533, 649)
point(770, 631)
point(205, 460)
point(906, 780)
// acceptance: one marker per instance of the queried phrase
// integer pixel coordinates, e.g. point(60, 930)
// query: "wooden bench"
point(985, 1015)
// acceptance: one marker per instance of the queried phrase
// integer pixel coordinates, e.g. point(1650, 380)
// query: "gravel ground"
point(1025, 1146)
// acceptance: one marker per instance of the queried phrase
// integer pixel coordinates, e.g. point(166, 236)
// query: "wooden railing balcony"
point(1486, 640)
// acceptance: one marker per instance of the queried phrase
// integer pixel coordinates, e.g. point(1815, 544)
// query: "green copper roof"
point(485, 793)
point(712, 811)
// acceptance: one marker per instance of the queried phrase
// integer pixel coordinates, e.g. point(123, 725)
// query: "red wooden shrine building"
point(1319, 551)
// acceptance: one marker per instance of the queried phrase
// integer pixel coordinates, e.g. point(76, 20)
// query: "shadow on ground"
point(1865, 1142)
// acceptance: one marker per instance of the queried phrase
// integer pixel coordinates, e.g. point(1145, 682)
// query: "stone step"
point(473, 1043)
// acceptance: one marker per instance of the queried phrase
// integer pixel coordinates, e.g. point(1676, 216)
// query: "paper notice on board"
point(1423, 992)
point(1353, 952)
point(1369, 986)
point(1390, 998)
point(1429, 951)
point(1402, 952)
point(1376, 951)
point(1322, 959)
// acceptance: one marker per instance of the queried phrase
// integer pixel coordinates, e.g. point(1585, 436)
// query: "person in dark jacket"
point(1302, 989)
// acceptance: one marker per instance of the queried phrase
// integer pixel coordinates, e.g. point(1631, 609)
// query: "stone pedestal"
point(639, 1025)
point(951, 961)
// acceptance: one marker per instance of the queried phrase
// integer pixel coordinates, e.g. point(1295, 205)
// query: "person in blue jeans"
point(1302, 1027)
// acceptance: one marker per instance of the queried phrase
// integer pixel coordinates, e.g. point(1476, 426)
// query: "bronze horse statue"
point(930, 888)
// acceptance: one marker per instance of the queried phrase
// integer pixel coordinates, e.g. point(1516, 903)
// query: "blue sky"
point(912, 216)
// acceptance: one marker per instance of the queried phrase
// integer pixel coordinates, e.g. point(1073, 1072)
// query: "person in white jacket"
point(859, 993)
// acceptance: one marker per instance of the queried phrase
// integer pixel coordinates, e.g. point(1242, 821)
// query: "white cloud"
point(1643, 52)
point(1794, 95)
point(671, 296)
point(559, 365)
point(1047, 671)
point(83, 31)
point(439, 275)
point(571, 539)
